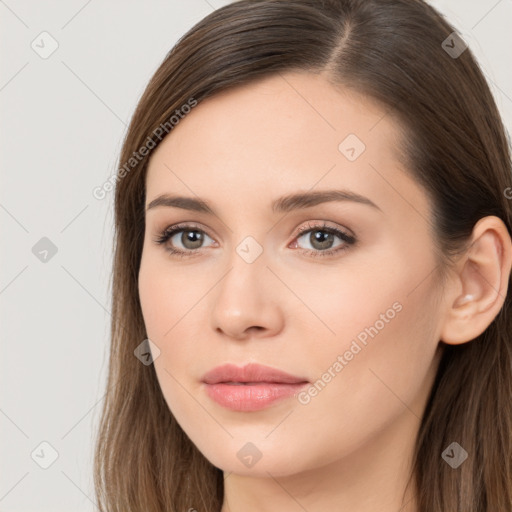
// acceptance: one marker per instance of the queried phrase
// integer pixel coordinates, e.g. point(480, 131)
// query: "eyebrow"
point(283, 204)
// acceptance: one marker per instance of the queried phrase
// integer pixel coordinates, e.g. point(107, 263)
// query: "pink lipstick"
point(250, 388)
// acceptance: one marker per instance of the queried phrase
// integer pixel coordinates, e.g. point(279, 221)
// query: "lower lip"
point(251, 397)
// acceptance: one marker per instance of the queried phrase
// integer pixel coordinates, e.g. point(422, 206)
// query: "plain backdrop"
point(63, 118)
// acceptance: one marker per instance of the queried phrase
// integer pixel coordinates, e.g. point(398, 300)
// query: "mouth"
point(251, 373)
point(250, 388)
point(252, 383)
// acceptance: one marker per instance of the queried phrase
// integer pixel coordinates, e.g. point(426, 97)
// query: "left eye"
point(323, 238)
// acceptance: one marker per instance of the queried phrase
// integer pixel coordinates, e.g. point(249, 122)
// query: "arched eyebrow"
point(288, 203)
point(303, 200)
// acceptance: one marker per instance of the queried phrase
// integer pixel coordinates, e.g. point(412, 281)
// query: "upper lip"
point(251, 372)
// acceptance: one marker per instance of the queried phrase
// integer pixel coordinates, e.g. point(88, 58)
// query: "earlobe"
point(483, 277)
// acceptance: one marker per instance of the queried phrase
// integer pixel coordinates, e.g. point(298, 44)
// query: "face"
point(337, 292)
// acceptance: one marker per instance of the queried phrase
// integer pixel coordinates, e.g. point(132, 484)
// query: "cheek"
point(384, 339)
point(379, 299)
point(166, 295)
point(173, 307)
point(383, 354)
point(379, 381)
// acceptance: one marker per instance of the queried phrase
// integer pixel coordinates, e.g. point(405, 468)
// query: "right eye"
point(190, 237)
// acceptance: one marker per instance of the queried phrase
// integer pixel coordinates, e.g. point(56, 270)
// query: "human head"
point(455, 150)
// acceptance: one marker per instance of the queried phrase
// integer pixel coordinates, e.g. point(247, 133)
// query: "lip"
point(251, 387)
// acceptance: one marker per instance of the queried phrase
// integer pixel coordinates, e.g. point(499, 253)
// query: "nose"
point(246, 301)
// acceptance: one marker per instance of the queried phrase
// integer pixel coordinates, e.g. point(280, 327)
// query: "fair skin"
point(352, 443)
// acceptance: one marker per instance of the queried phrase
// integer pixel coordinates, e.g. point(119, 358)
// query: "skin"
point(351, 443)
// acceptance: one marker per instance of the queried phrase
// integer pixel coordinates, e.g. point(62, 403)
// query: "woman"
point(311, 269)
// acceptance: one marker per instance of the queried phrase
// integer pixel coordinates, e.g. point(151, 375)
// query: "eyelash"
point(348, 240)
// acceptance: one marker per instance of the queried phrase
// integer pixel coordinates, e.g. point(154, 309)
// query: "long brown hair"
point(456, 147)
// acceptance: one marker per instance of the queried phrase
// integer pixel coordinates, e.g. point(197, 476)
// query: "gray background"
point(63, 121)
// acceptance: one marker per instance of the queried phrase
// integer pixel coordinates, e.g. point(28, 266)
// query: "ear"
point(480, 283)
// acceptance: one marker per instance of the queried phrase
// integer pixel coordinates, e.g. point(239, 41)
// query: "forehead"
point(286, 108)
point(282, 133)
